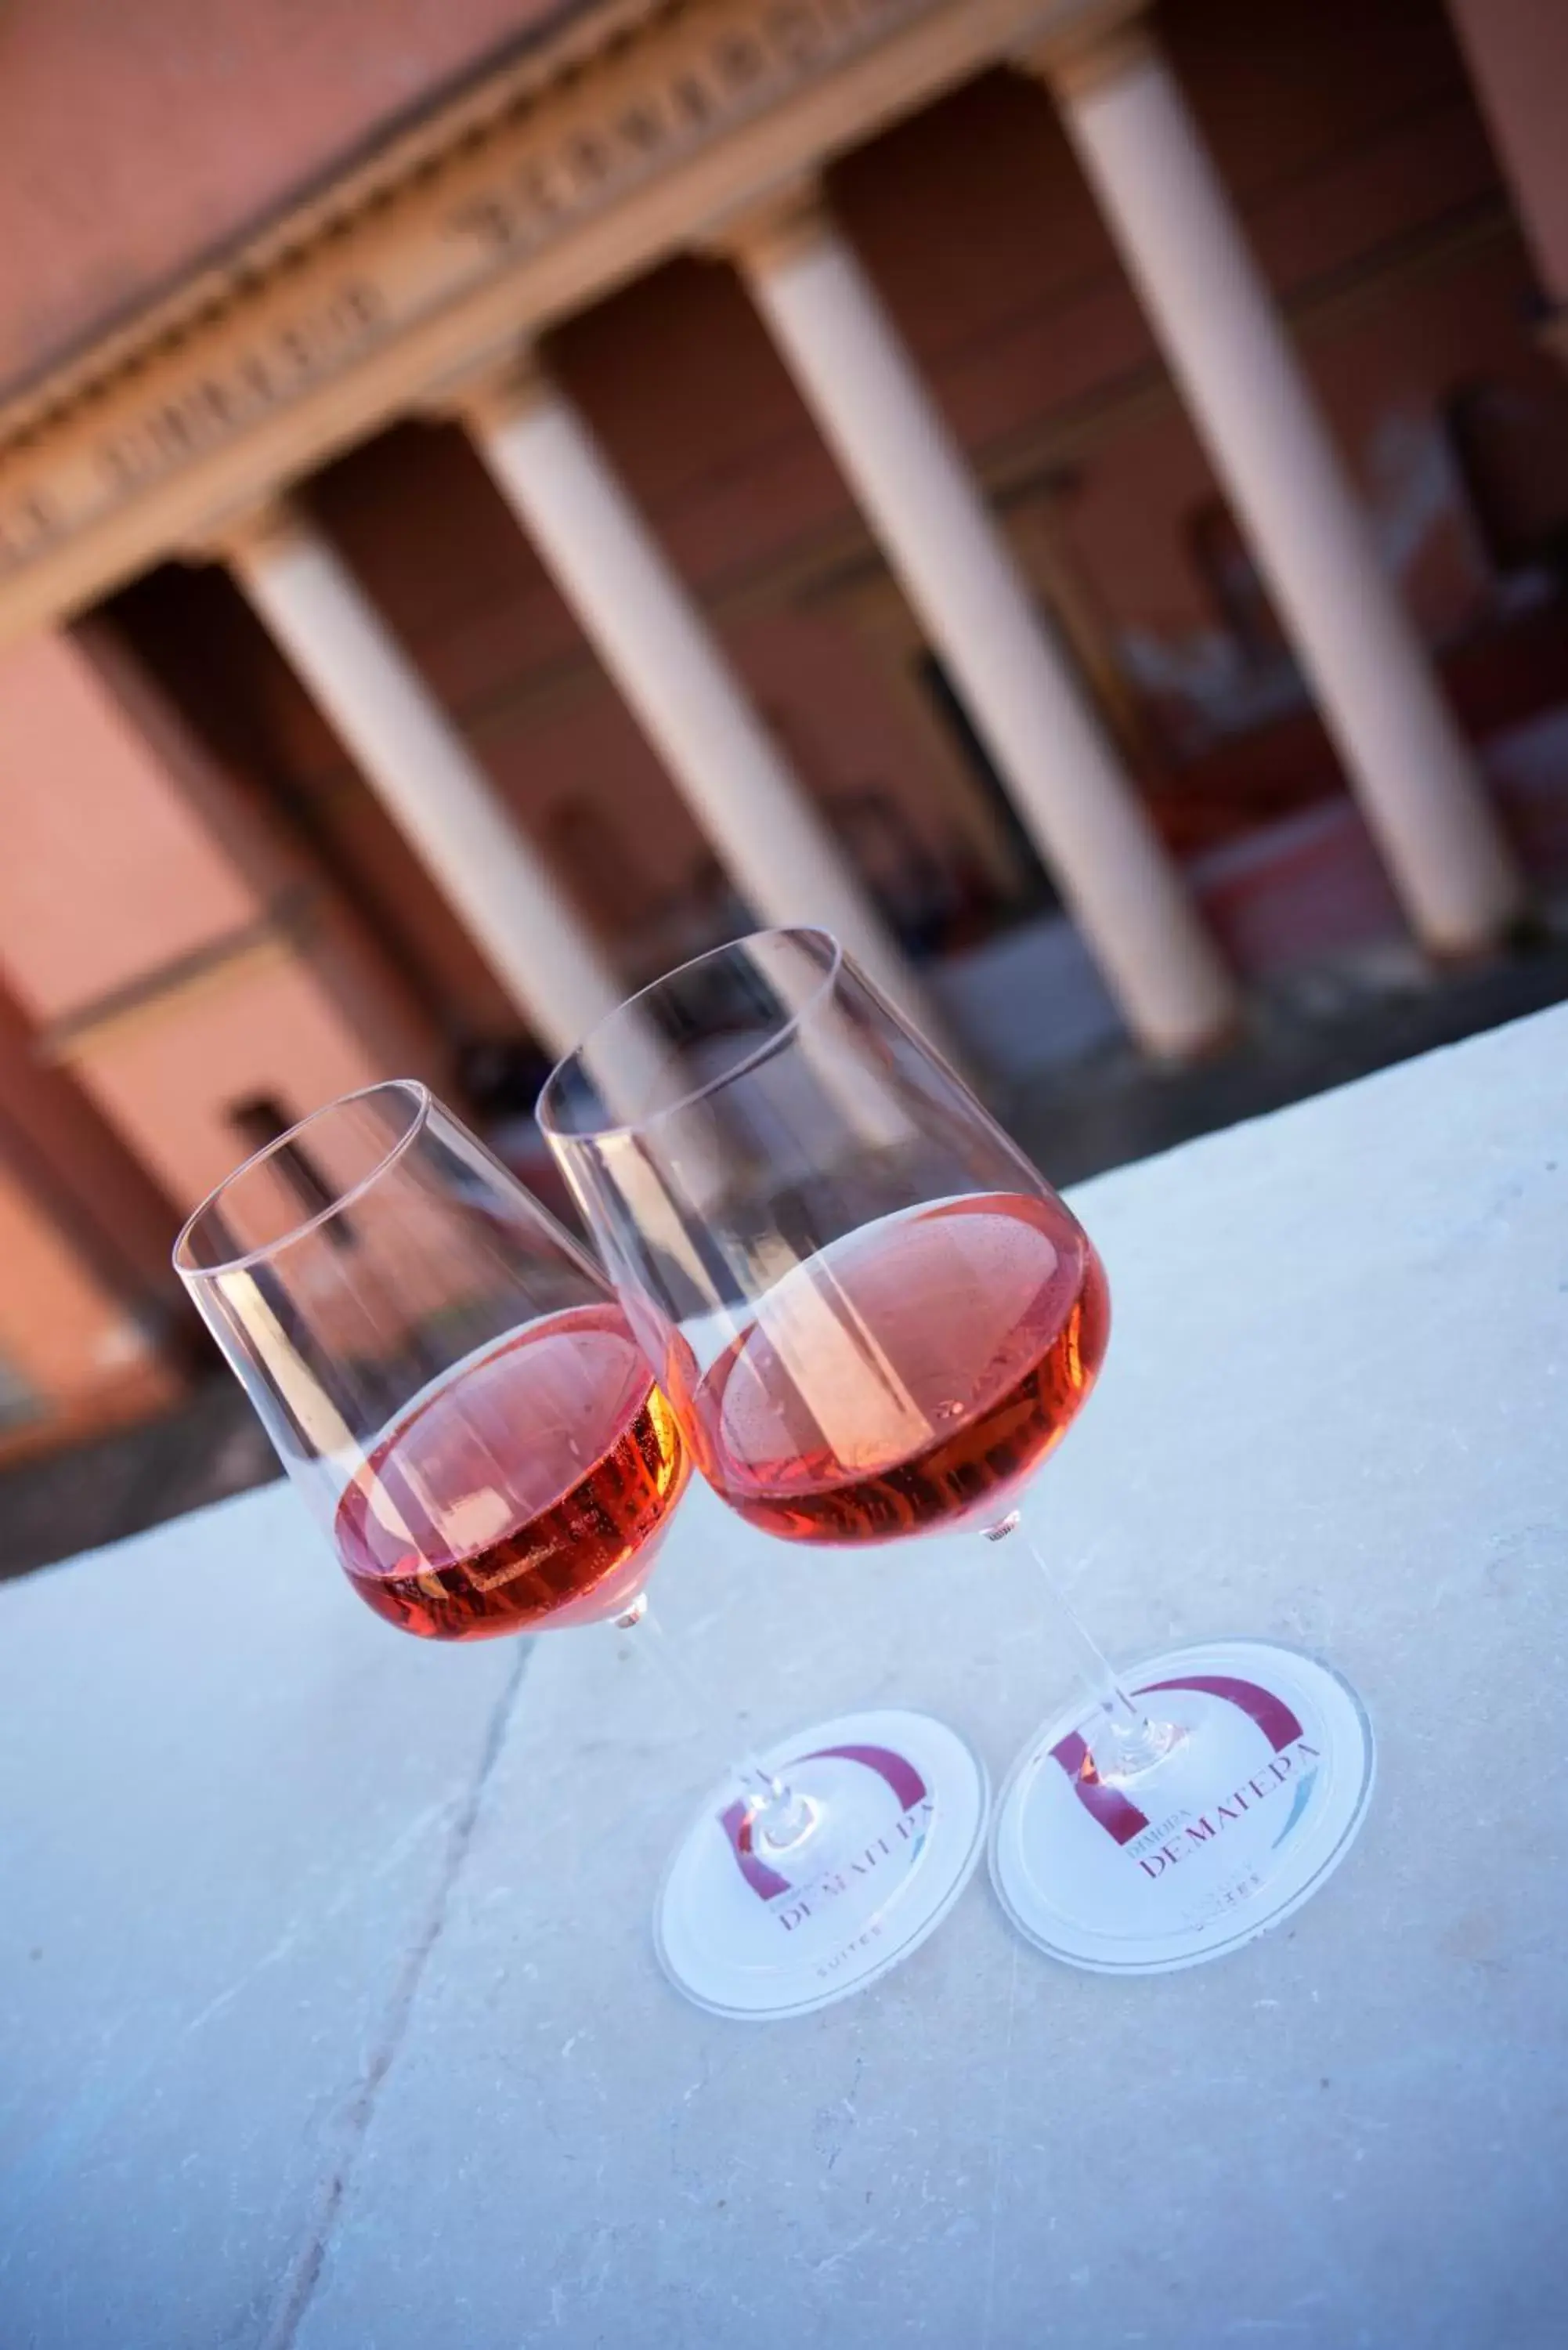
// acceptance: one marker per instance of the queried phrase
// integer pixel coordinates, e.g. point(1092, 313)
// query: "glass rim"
point(413, 1088)
point(837, 958)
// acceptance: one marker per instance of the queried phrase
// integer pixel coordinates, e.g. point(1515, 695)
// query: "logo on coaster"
point(1125, 1823)
point(897, 1770)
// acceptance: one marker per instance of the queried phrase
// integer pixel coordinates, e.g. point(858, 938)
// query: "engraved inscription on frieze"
point(673, 89)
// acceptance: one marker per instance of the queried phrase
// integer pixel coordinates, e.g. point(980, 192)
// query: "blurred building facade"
point(495, 497)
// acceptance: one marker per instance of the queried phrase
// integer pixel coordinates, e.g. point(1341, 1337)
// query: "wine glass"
point(874, 1320)
point(446, 1376)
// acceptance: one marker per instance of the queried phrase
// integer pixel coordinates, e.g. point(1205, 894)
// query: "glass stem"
point(778, 1817)
point(1121, 1738)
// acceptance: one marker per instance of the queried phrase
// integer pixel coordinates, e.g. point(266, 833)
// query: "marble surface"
point(328, 2016)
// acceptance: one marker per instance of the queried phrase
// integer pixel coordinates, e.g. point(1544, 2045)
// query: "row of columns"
point(927, 509)
point(1227, 347)
point(1229, 350)
point(672, 672)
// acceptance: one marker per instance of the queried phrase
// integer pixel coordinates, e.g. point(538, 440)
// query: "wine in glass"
point(447, 1378)
point(874, 1320)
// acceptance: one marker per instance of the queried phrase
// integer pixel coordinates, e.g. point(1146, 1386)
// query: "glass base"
point(1252, 1807)
point(899, 1804)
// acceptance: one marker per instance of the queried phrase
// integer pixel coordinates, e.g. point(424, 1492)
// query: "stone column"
point(656, 645)
point(414, 756)
point(1213, 311)
point(923, 503)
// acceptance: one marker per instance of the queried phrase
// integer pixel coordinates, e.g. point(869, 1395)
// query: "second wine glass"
point(874, 1318)
point(728, 1152)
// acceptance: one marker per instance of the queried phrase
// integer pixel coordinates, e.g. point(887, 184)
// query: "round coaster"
point(1253, 1809)
point(901, 1808)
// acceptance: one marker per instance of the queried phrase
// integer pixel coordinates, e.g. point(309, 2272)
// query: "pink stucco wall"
point(129, 846)
point(106, 873)
point(170, 1083)
point(139, 139)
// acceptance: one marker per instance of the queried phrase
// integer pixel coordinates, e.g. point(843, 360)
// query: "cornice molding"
point(529, 198)
point(1097, 42)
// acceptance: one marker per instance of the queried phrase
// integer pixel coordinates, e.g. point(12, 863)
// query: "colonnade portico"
point(909, 475)
point(1210, 310)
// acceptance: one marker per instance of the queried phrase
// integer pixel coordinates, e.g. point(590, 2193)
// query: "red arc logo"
point(736, 1818)
point(1122, 1819)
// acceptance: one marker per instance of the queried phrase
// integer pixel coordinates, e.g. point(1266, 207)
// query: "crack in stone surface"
point(304, 2272)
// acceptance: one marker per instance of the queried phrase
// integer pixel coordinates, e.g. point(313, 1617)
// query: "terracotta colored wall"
point(129, 848)
point(107, 874)
point(169, 1081)
point(139, 139)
